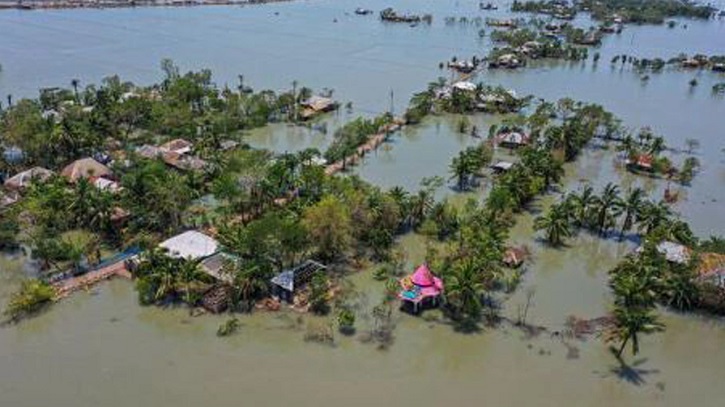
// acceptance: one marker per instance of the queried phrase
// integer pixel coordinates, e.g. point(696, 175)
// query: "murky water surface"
point(101, 348)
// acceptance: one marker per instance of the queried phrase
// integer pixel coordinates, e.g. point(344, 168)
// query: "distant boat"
point(487, 6)
point(362, 11)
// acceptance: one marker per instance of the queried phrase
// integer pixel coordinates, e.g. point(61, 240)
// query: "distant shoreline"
point(102, 4)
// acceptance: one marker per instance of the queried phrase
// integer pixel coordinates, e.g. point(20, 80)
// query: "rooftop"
point(191, 245)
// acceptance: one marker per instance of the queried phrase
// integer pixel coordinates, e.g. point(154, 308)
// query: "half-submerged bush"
point(33, 295)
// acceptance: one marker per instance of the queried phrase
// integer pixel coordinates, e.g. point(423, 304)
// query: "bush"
point(230, 327)
point(33, 295)
point(346, 321)
point(319, 294)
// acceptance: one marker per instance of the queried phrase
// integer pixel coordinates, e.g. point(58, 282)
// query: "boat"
point(362, 11)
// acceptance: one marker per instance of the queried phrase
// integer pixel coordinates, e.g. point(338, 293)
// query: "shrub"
point(33, 295)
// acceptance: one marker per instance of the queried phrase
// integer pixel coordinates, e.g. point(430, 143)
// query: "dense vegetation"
point(632, 11)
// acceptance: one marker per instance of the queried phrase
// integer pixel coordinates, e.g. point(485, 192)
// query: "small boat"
point(362, 11)
point(487, 6)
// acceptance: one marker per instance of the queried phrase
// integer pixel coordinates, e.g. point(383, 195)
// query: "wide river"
point(102, 349)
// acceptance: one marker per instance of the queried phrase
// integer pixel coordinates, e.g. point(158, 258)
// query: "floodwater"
point(101, 348)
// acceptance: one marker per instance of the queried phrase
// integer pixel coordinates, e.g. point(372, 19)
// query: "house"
point(510, 61)
point(501, 167)
point(712, 269)
point(316, 105)
point(530, 47)
point(214, 266)
point(674, 252)
point(464, 86)
point(286, 283)
point(105, 184)
point(85, 168)
point(184, 162)
point(191, 245)
point(148, 151)
point(23, 179)
point(178, 146)
point(642, 162)
point(512, 139)
point(421, 289)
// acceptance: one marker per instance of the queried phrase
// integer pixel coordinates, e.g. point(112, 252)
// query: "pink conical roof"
point(423, 277)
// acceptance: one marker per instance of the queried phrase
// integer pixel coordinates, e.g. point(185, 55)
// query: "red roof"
point(645, 160)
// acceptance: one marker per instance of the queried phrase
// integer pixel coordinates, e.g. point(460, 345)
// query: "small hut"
point(514, 256)
point(512, 139)
point(421, 289)
point(286, 283)
point(501, 167)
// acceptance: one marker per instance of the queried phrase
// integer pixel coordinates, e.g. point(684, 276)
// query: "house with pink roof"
point(421, 289)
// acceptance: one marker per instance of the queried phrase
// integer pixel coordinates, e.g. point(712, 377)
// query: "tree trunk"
point(621, 347)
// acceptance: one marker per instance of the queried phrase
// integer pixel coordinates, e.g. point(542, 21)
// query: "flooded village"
point(511, 202)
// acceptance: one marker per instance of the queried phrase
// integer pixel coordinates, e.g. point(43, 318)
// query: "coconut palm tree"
point(629, 324)
point(187, 275)
point(632, 207)
point(608, 206)
point(653, 215)
point(464, 287)
point(582, 204)
point(656, 146)
point(556, 224)
point(249, 284)
point(420, 206)
point(74, 83)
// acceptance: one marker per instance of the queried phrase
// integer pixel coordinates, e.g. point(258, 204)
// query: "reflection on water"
point(101, 348)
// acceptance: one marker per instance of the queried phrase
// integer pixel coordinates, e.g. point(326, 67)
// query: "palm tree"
point(629, 324)
point(461, 168)
point(582, 205)
point(188, 274)
point(679, 290)
point(555, 223)
point(656, 146)
point(74, 83)
point(653, 215)
point(249, 284)
point(608, 206)
point(464, 288)
point(420, 206)
point(631, 208)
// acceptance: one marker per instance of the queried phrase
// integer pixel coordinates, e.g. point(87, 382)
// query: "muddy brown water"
point(101, 348)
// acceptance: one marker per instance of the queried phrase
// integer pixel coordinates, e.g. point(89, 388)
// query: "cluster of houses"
point(176, 153)
point(711, 265)
point(87, 168)
point(197, 246)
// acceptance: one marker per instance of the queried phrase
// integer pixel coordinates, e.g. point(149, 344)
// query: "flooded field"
point(101, 348)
